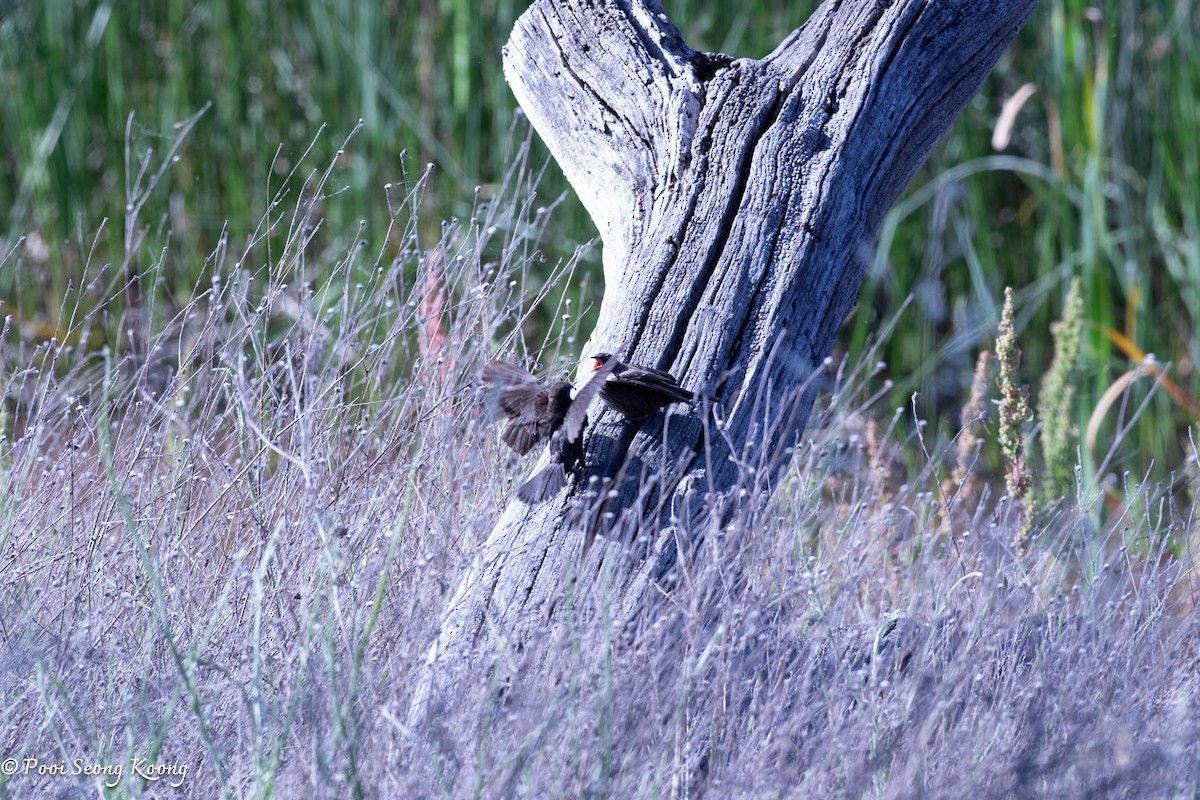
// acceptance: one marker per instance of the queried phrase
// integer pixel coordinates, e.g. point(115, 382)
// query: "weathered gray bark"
point(737, 201)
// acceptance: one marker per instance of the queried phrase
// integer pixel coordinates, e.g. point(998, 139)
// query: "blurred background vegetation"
point(1096, 176)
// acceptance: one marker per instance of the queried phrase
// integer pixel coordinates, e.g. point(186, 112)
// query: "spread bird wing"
point(504, 374)
point(577, 414)
point(525, 401)
point(525, 431)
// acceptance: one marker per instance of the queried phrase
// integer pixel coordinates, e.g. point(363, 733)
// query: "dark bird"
point(537, 411)
point(636, 392)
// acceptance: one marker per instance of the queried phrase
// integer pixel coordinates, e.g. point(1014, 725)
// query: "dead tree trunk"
point(737, 201)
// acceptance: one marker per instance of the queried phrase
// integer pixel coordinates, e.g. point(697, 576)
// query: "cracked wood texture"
point(737, 201)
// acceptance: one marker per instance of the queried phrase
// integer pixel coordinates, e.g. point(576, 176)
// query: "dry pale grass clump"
point(230, 553)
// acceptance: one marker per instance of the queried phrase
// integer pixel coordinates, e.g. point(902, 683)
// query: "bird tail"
point(543, 486)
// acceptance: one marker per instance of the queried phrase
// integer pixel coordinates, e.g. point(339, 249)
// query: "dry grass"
point(231, 554)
